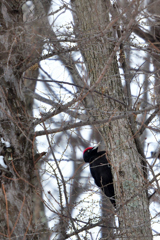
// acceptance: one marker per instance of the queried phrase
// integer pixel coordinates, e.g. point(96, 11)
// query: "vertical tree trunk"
point(96, 45)
point(17, 191)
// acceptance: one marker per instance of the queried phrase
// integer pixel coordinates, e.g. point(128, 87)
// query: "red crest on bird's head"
point(87, 149)
point(95, 147)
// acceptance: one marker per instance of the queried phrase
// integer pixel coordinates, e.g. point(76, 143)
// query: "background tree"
point(85, 68)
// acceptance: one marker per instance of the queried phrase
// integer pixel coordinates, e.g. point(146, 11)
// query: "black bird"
point(100, 170)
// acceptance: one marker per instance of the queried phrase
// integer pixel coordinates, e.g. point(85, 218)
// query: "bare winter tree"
point(73, 74)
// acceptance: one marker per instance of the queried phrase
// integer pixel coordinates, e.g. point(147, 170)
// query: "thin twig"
point(7, 216)
point(18, 216)
point(92, 122)
point(153, 115)
point(63, 182)
point(78, 86)
point(27, 228)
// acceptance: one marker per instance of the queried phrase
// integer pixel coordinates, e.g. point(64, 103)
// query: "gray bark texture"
point(18, 189)
point(99, 52)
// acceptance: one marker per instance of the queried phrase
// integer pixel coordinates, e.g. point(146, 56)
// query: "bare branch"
point(93, 122)
point(145, 124)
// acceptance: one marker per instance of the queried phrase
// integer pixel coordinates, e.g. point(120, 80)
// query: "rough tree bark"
point(93, 27)
point(18, 194)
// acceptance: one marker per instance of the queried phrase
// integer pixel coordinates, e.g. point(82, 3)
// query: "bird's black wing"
point(101, 172)
point(100, 169)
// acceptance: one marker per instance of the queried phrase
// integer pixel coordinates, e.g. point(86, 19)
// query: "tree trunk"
point(93, 27)
point(18, 193)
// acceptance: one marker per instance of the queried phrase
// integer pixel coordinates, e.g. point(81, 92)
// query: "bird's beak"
point(96, 146)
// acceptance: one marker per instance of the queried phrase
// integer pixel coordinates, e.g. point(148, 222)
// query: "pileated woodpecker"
point(100, 170)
